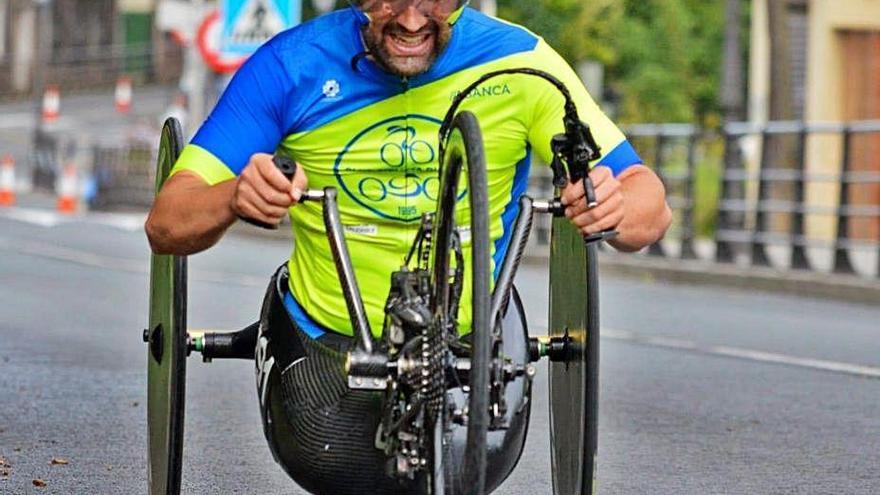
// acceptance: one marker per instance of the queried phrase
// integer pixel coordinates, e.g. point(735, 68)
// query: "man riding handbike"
point(356, 101)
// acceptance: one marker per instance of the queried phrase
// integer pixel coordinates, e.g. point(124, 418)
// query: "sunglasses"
point(436, 8)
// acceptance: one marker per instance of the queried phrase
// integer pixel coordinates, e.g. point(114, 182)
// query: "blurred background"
point(761, 116)
point(740, 354)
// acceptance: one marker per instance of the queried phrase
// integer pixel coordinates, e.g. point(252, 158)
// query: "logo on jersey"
point(390, 168)
point(485, 91)
point(331, 88)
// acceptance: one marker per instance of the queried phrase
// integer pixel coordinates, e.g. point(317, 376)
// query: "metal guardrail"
point(754, 179)
point(735, 209)
point(738, 194)
point(119, 175)
point(77, 68)
point(123, 177)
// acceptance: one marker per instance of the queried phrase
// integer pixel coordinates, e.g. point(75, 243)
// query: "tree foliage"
point(579, 30)
point(663, 57)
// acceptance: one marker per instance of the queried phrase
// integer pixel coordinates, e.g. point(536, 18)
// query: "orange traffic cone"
point(123, 94)
point(67, 190)
point(7, 181)
point(51, 104)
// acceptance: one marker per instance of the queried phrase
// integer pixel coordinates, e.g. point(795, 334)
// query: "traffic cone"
point(51, 104)
point(123, 94)
point(7, 181)
point(67, 190)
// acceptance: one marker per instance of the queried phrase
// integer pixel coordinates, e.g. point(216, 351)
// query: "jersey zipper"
point(404, 85)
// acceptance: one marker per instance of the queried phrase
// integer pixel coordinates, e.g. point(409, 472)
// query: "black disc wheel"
point(461, 272)
point(166, 350)
point(574, 376)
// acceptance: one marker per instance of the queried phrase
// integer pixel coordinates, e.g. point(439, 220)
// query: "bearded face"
point(407, 40)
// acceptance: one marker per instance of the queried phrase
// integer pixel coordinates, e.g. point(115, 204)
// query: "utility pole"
point(732, 91)
point(486, 6)
point(196, 79)
point(42, 53)
point(323, 6)
point(781, 100)
point(44, 147)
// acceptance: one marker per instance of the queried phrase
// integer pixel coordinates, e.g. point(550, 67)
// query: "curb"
point(848, 288)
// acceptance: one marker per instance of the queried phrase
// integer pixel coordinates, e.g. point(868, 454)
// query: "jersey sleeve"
point(617, 153)
point(248, 119)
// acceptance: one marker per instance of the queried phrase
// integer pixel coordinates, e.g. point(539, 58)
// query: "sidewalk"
point(819, 284)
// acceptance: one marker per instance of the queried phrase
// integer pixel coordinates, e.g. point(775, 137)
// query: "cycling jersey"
point(311, 94)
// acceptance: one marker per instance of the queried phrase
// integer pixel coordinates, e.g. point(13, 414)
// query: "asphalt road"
point(704, 390)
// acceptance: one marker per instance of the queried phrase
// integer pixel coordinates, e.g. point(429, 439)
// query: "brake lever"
point(578, 147)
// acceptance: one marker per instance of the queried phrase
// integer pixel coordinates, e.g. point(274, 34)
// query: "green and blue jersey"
point(311, 95)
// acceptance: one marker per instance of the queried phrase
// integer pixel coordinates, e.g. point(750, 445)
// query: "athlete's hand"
point(607, 214)
point(264, 194)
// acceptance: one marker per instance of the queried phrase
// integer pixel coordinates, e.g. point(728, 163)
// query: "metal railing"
point(786, 195)
point(747, 221)
point(78, 68)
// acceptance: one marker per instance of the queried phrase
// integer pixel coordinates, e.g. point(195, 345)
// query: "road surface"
point(704, 390)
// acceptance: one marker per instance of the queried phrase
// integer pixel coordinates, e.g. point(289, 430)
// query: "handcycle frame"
point(571, 346)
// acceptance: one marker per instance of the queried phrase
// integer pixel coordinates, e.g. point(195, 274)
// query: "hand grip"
point(592, 202)
point(590, 192)
point(287, 167)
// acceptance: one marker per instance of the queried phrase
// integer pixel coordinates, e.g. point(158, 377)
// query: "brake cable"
point(574, 149)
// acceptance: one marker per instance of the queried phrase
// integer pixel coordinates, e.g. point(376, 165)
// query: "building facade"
point(833, 65)
point(88, 43)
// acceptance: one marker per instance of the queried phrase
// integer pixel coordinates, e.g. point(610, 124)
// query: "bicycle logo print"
point(417, 151)
point(390, 168)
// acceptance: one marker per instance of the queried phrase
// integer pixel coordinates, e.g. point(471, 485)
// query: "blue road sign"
point(247, 24)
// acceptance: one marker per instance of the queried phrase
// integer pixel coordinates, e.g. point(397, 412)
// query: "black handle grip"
point(287, 167)
point(590, 193)
point(592, 201)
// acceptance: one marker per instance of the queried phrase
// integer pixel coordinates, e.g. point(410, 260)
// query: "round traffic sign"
point(208, 41)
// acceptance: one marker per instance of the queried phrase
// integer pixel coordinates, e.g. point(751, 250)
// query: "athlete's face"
point(406, 36)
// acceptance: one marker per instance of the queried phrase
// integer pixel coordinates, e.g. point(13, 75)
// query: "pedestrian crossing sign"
point(247, 24)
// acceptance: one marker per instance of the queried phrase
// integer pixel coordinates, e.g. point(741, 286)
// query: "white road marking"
point(43, 218)
point(17, 121)
point(87, 258)
point(734, 352)
point(129, 222)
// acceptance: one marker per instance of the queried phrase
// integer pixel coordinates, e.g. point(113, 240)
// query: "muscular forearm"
point(647, 216)
point(189, 216)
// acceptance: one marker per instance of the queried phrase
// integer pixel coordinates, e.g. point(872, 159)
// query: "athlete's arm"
point(190, 215)
point(634, 204)
point(227, 170)
point(632, 199)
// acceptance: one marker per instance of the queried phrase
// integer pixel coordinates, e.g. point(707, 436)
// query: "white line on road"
point(86, 258)
point(129, 222)
point(736, 353)
point(17, 121)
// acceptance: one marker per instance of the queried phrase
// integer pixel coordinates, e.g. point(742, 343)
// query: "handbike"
point(446, 424)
